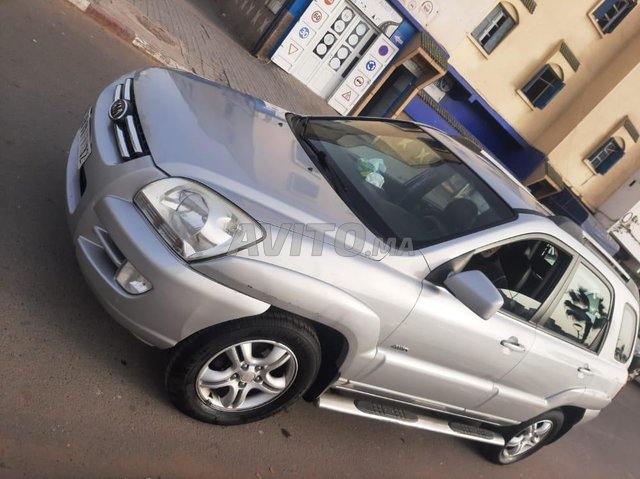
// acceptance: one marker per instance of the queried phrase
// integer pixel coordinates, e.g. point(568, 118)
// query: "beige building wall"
point(499, 76)
point(602, 91)
point(597, 125)
point(451, 19)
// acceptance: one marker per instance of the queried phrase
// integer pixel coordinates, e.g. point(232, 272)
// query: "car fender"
point(305, 296)
point(582, 398)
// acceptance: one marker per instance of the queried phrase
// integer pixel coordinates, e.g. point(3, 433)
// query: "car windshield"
point(402, 183)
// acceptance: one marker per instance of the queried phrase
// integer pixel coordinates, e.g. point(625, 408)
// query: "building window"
point(543, 87)
point(606, 155)
point(493, 28)
point(611, 12)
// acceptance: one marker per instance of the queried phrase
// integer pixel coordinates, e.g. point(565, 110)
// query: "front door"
point(446, 354)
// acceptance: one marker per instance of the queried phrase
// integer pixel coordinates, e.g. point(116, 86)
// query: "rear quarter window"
point(627, 335)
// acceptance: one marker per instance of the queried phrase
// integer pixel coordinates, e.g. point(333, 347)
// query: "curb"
point(157, 55)
point(109, 23)
point(127, 34)
point(81, 4)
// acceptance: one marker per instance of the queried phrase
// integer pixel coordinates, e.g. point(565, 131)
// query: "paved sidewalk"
point(184, 34)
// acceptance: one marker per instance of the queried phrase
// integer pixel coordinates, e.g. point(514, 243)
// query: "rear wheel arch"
point(526, 438)
point(572, 416)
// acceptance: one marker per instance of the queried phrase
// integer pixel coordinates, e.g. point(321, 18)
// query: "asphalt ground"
point(80, 397)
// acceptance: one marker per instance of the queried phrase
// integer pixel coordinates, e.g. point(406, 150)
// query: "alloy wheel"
point(528, 438)
point(246, 375)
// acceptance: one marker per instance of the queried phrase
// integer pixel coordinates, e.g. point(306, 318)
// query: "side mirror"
point(476, 292)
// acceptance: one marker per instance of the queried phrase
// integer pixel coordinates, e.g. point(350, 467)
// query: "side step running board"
point(384, 412)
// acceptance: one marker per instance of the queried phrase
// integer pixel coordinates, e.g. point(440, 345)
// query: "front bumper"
point(107, 229)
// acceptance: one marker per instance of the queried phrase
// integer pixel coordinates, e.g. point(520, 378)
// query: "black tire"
point(191, 355)
point(502, 456)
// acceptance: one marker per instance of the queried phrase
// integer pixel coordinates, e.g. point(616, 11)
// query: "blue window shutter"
point(608, 163)
point(612, 26)
point(544, 99)
point(603, 8)
point(549, 91)
point(497, 37)
point(535, 78)
point(494, 17)
point(480, 28)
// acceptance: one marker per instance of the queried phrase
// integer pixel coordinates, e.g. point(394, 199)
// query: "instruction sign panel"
point(424, 11)
point(381, 13)
point(370, 66)
point(339, 47)
point(301, 35)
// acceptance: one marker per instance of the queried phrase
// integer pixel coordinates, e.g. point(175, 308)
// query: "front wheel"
point(243, 370)
point(527, 438)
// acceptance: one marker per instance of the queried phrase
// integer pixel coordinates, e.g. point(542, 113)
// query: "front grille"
point(128, 132)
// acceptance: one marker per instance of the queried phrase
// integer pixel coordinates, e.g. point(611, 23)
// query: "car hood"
point(240, 146)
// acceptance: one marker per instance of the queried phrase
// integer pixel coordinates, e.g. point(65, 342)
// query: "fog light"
point(131, 280)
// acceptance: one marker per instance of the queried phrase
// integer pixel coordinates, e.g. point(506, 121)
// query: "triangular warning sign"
point(292, 48)
point(347, 95)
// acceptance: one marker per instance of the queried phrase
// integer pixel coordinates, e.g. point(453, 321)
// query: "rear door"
point(564, 361)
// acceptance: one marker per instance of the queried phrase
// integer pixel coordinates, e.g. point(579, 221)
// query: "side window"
point(584, 311)
point(525, 273)
point(624, 346)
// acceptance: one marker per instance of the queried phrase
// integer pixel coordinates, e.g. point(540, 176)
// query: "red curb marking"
point(106, 21)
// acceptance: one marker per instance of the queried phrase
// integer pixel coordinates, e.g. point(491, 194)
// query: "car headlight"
point(195, 221)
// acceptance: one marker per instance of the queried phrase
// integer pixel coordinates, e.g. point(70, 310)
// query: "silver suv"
point(381, 268)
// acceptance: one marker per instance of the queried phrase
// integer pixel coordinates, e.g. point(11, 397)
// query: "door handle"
point(585, 370)
point(513, 344)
